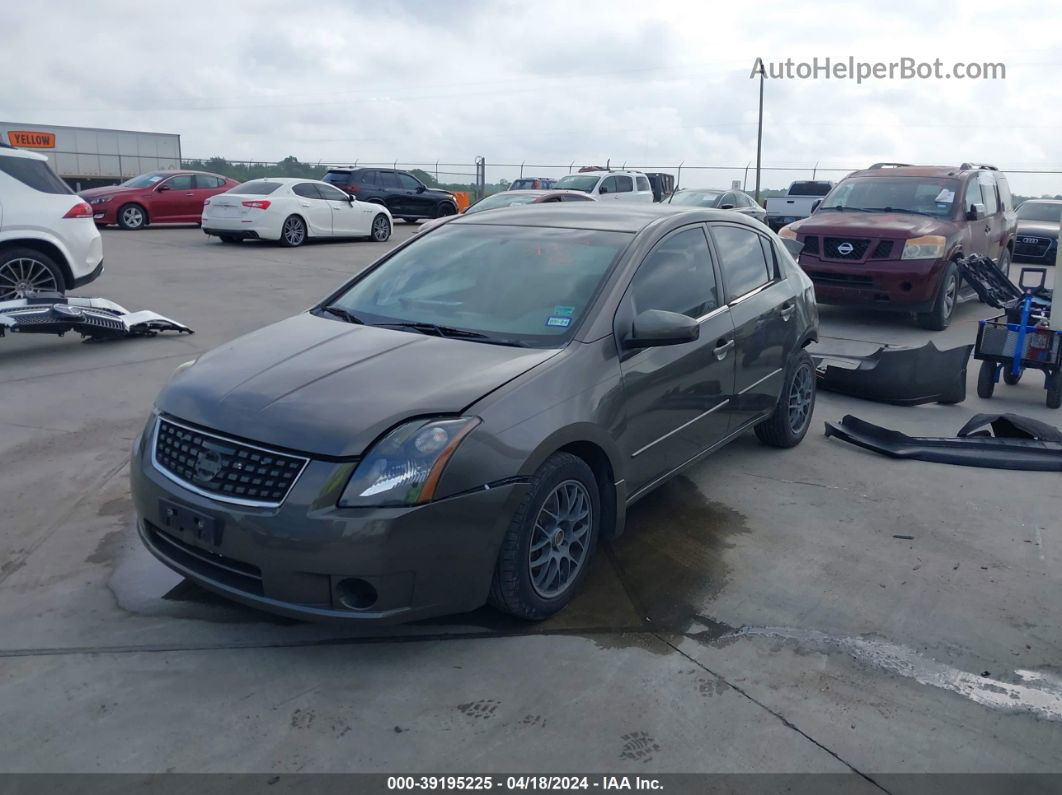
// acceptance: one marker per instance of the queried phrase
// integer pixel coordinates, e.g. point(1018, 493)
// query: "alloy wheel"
point(950, 295)
point(801, 394)
point(132, 217)
point(381, 229)
point(25, 276)
point(294, 231)
point(560, 539)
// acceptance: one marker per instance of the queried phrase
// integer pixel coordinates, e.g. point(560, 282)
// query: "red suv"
point(159, 197)
point(888, 237)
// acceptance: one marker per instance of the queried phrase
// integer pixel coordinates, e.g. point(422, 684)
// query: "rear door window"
point(741, 259)
point(307, 190)
point(624, 184)
point(35, 174)
point(678, 276)
point(643, 183)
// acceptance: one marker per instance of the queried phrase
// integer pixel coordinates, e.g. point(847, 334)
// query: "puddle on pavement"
point(659, 575)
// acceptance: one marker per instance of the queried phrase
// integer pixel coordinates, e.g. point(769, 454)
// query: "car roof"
point(11, 151)
point(604, 216)
point(912, 171)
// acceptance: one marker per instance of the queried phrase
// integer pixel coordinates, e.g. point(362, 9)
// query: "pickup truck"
point(799, 202)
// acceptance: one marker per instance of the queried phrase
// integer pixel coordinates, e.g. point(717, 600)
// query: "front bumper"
point(300, 558)
point(898, 285)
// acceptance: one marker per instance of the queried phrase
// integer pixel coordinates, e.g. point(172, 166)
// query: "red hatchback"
point(159, 197)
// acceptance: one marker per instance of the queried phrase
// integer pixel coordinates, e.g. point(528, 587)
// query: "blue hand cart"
point(1020, 340)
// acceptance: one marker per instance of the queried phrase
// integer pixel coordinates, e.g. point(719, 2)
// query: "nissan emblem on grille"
point(224, 469)
point(845, 248)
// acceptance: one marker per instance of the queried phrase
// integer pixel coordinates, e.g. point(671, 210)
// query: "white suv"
point(48, 241)
point(631, 186)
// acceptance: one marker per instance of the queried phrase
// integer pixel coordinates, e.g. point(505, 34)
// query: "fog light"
point(356, 594)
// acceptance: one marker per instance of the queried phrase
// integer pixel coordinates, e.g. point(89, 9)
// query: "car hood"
point(1040, 228)
point(330, 388)
point(110, 190)
point(875, 225)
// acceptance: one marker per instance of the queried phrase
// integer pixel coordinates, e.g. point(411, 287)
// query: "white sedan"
point(291, 210)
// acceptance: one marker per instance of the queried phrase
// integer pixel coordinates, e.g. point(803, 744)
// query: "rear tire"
point(986, 380)
point(791, 418)
point(26, 271)
point(132, 216)
point(381, 229)
point(939, 317)
point(555, 525)
point(293, 232)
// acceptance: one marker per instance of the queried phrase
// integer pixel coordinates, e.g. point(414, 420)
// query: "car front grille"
point(811, 244)
point(224, 468)
point(1029, 246)
point(844, 248)
point(882, 250)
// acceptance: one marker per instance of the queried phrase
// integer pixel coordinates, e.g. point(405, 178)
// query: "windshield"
point(1040, 211)
point(144, 180)
point(583, 182)
point(515, 284)
point(919, 195)
point(696, 198)
point(502, 200)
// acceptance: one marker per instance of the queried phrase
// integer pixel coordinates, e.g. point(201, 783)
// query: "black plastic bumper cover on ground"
point(971, 448)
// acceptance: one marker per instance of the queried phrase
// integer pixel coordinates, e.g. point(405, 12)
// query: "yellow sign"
point(31, 140)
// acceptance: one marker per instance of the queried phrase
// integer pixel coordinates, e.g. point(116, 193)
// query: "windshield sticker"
point(945, 196)
point(562, 322)
point(153, 180)
point(564, 311)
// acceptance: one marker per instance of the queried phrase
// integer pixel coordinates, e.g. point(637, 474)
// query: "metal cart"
point(1019, 339)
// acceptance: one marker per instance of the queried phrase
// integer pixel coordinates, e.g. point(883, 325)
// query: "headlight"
point(102, 200)
point(404, 467)
point(928, 247)
point(786, 233)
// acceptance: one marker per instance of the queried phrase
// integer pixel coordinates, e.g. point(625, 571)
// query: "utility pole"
point(759, 140)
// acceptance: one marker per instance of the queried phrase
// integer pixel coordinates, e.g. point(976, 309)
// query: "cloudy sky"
point(543, 82)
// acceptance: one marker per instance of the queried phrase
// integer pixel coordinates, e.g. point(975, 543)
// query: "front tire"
point(445, 209)
point(1054, 391)
point(547, 549)
point(788, 424)
point(25, 271)
point(381, 228)
point(132, 217)
point(1009, 379)
point(939, 317)
point(293, 232)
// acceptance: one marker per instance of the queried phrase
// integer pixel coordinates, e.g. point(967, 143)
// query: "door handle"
point(787, 310)
point(722, 349)
point(189, 194)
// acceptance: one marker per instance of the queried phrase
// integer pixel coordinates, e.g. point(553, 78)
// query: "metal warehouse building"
point(88, 157)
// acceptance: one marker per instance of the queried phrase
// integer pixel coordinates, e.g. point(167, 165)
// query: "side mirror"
point(726, 207)
point(976, 212)
point(421, 188)
point(161, 188)
point(655, 328)
point(351, 198)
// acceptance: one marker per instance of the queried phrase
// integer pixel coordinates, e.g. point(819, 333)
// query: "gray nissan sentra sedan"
point(466, 419)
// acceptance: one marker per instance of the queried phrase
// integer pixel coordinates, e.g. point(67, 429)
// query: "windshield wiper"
point(847, 209)
point(343, 314)
point(897, 210)
point(433, 329)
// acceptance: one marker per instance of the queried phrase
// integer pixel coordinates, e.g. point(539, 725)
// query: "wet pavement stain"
point(107, 548)
point(672, 555)
point(119, 506)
